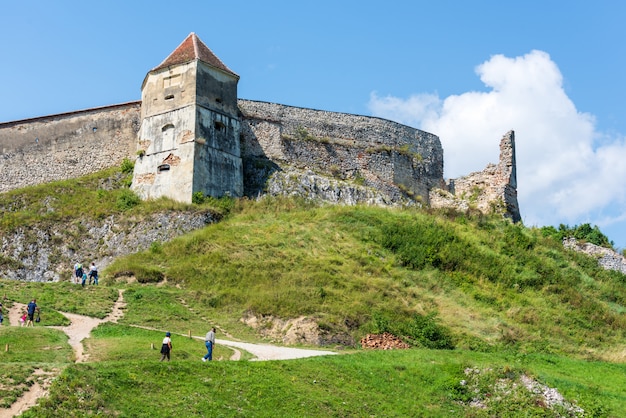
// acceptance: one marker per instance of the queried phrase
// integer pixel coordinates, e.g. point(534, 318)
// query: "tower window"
point(218, 99)
point(163, 167)
point(169, 97)
point(219, 126)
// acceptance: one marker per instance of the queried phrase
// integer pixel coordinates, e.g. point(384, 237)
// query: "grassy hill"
point(468, 292)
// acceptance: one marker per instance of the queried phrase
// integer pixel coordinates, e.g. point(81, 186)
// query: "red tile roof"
point(191, 49)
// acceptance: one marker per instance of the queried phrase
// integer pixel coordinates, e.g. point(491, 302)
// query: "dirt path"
point(271, 352)
point(15, 313)
point(81, 326)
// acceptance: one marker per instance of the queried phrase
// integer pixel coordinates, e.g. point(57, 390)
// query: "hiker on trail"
point(78, 271)
point(23, 319)
point(31, 309)
point(209, 342)
point(166, 347)
point(1, 317)
point(84, 279)
point(93, 273)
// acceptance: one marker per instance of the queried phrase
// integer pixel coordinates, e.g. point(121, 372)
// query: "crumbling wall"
point(492, 190)
point(67, 145)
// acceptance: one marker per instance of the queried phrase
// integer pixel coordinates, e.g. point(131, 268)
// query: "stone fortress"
point(190, 134)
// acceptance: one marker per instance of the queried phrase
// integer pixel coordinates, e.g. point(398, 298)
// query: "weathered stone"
point(492, 190)
point(607, 258)
point(190, 133)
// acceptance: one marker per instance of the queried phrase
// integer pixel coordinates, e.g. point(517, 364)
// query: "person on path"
point(23, 319)
point(209, 342)
point(93, 273)
point(84, 279)
point(78, 271)
point(166, 347)
point(1, 317)
point(31, 309)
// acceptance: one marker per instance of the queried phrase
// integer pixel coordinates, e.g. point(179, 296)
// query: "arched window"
point(168, 137)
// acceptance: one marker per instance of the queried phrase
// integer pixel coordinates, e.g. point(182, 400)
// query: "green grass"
point(503, 299)
point(96, 301)
point(33, 345)
point(390, 384)
point(478, 283)
point(112, 342)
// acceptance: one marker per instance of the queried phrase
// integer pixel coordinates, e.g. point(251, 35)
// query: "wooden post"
point(152, 346)
point(189, 333)
point(6, 348)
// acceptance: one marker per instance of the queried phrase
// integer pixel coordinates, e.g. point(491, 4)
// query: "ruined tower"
point(189, 136)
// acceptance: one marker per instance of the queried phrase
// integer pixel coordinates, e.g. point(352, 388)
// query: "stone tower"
point(189, 136)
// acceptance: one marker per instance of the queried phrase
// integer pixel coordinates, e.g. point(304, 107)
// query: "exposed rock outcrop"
point(607, 258)
point(43, 253)
point(302, 330)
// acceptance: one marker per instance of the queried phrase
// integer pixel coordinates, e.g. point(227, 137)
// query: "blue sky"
point(467, 71)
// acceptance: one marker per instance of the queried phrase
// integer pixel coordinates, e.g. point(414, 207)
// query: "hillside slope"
point(505, 303)
point(437, 281)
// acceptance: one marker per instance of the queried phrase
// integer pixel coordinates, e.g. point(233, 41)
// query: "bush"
point(127, 166)
point(584, 232)
point(126, 200)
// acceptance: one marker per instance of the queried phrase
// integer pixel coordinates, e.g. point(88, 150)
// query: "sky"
point(467, 71)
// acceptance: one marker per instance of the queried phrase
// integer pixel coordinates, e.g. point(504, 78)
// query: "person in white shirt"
point(93, 273)
point(166, 347)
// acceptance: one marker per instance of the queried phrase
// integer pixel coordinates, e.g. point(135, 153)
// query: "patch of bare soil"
point(38, 389)
point(294, 331)
point(16, 311)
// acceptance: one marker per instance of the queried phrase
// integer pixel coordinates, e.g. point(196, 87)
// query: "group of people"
point(209, 342)
point(81, 275)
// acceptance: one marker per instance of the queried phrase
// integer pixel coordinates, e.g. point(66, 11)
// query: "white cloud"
point(565, 173)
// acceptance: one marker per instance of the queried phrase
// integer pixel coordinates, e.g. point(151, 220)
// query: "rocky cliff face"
point(48, 253)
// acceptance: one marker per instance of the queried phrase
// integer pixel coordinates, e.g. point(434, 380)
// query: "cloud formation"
point(567, 172)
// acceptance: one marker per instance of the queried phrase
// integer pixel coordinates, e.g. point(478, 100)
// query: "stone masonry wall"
point(390, 157)
point(395, 161)
point(492, 190)
point(67, 145)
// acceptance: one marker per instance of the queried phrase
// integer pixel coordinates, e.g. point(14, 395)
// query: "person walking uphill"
point(93, 273)
point(31, 309)
point(166, 347)
point(78, 271)
point(209, 341)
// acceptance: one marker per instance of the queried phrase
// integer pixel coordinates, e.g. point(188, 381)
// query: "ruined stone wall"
point(492, 190)
point(390, 157)
point(67, 145)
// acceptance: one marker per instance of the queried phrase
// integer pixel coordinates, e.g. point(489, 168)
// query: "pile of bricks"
point(384, 341)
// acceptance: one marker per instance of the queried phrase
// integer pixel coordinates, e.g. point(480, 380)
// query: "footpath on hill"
point(81, 326)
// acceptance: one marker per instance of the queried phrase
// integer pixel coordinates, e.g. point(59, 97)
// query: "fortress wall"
point(493, 189)
point(67, 145)
point(381, 153)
